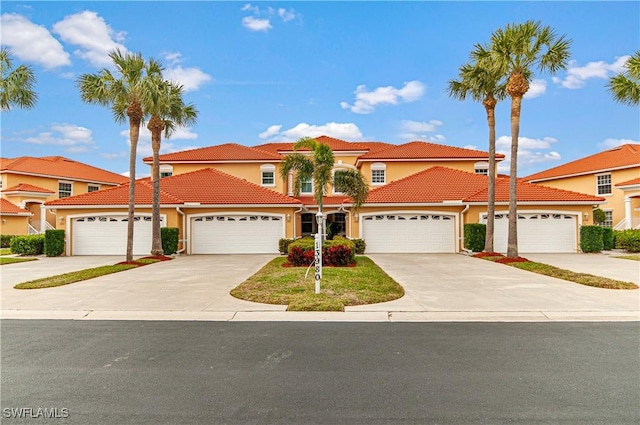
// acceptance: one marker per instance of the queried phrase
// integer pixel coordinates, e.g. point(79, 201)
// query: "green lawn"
point(5, 251)
point(366, 283)
point(634, 257)
point(581, 278)
point(13, 260)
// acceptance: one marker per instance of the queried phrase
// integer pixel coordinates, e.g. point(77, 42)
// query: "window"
point(481, 168)
point(603, 184)
point(306, 186)
point(608, 218)
point(64, 189)
point(268, 175)
point(166, 171)
point(378, 173)
point(93, 187)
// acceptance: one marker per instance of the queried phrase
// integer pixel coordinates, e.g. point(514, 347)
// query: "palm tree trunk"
point(155, 126)
point(490, 105)
point(512, 242)
point(134, 111)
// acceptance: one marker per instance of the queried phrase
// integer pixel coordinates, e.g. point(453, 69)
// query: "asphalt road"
point(320, 373)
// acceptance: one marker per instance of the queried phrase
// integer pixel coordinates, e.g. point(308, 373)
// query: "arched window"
point(268, 175)
point(378, 173)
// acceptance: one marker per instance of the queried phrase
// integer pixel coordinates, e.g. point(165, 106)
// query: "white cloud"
point(536, 88)
point(344, 131)
point(473, 147)
point(172, 57)
point(530, 152)
point(94, 37)
point(271, 131)
point(256, 24)
point(32, 43)
point(167, 145)
point(578, 75)
point(415, 130)
point(366, 101)
point(612, 143)
point(287, 15)
point(190, 78)
point(70, 137)
point(112, 156)
point(249, 7)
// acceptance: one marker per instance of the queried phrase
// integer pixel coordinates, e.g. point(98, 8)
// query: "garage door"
point(409, 233)
point(539, 232)
point(236, 234)
point(107, 235)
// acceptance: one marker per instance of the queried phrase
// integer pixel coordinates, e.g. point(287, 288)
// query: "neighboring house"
point(613, 174)
point(230, 199)
point(29, 182)
point(14, 220)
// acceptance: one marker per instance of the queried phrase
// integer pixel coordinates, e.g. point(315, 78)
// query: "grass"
point(634, 257)
point(366, 283)
point(12, 260)
point(5, 251)
point(80, 275)
point(552, 271)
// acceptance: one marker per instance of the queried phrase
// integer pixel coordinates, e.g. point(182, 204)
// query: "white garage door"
point(107, 235)
point(236, 234)
point(409, 233)
point(539, 232)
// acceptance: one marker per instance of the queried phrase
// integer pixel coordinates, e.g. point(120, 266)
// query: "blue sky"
point(275, 71)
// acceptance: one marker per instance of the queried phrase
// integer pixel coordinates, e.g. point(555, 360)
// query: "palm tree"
point(16, 85)
point(318, 166)
point(625, 87)
point(126, 94)
point(168, 111)
point(514, 52)
point(488, 86)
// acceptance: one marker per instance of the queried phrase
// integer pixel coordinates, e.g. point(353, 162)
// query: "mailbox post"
point(318, 251)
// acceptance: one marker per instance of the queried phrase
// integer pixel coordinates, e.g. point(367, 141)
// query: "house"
point(13, 219)
point(230, 198)
point(29, 182)
point(613, 174)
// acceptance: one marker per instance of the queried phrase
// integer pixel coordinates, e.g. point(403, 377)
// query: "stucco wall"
point(14, 225)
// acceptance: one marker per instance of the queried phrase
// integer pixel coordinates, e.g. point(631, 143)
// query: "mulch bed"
point(487, 254)
point(158, 257)
point(508, 260)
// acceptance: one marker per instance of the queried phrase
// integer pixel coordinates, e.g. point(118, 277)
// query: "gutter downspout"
point(184, 229)
point(294, 220)
point(466, 208)
point(343, 209)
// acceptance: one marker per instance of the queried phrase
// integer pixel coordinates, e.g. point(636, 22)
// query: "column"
point(627, 213)
point(290, 184)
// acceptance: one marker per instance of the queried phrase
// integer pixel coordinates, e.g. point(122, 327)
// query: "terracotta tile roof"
point(24, 187)
point(336, 145)
point(438, 184)
point(225, 152)
point(205, 186)
point(630, 182)
point(7, 207)
point(60, 167)
point(624, 156)
point(425, 150)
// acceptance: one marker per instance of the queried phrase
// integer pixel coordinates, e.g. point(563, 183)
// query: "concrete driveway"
point(461, 287)
point(197, 283)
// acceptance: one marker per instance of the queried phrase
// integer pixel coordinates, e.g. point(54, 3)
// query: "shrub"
point(338, 256)
point(170, 237)
point(360, 245)
point(474, 234)
point(28, 245)
point(607, 238)
point(299, 256)
point(5, 240)
point(337, 252)
point(591, 239)
point(599, 216)
point(283, 245)
point(53, 243)
point(628, 240)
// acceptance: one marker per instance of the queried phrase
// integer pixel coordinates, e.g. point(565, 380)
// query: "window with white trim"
point(608, 218)
point(268, 175)
point(306, 186)
point(603, 184)
point(166, 171)
point(64, 189)
point(481, 168)
point(378, 173)
point(93, 187)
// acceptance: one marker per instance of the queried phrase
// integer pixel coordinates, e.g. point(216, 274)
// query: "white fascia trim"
point(231, 161)
point(545, 203)
point(183, 206)
point(422, 159)
point(404, 204)
point(24, 214)
point(624, 188)
point(64, 178)
point(335, 153)
point(36, 194)
point(585, 173)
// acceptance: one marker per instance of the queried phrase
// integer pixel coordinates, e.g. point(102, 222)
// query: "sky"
point(277, 71)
